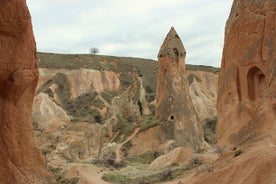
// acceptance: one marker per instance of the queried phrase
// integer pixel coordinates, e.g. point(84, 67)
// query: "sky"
point(131, 28)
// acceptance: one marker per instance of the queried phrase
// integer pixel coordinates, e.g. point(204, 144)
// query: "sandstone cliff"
point(246, 99)
point(20, 159)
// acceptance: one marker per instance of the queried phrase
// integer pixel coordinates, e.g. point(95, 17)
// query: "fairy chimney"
point(174, 108)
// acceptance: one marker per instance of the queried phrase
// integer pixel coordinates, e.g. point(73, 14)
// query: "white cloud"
point(130, 28)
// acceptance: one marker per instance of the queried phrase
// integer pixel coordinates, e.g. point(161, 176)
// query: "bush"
point(166, 175)
point(195, 161)
point(60, 176)
point(145, 158)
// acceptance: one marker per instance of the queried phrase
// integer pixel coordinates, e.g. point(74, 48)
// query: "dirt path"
point(119, 145)
point(87, 173)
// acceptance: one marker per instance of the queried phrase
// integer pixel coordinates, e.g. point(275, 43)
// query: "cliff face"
point(174, 107)
point(21, 161)
point(246, 99)
point(85, 80)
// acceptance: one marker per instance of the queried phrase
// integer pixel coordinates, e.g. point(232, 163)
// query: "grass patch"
point(145, 158)
point(124, 127)
point(148, 124)
point(142, 174)
point(59, 175)
point(202, 68)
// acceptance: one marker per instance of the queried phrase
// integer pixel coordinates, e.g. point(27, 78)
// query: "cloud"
point(130, 28)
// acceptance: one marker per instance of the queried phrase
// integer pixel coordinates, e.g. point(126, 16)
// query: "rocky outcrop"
point(203, 87)
point(21, 161)
point(179, 156)
point(255, 166)
point(47, 113)
point(174, 107)
point(84, 80)
point(247, 82)
point(246, 98)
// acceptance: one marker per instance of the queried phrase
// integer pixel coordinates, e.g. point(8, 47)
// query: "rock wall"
point(20, 159)
point(84, 80)
point(203, 87)
point(247, 82)
point(174, 107)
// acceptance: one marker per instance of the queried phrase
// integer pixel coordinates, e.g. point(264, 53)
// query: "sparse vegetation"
point(145, 158)
point(202, 68)
point(195, 161)
point(148, 123)
point(94, 50)
point(209, 128)
point(60, 176)
point(143, 175)
point(134, 170)
point(192, 77)
point(220, 150)
point(125, 127)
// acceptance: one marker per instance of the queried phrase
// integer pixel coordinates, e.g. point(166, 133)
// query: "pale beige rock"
point(84, 80)
point(203, 91)
point(179, 156)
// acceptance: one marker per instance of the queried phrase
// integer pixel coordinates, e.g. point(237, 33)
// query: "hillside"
point(101, 108)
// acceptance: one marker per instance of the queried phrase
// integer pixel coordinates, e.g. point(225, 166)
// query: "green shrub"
point(60, 176)
point(145, 158)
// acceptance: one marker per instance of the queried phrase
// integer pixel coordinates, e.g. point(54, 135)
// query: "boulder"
point(178, 156)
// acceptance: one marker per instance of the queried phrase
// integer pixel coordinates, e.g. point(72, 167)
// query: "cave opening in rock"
point(172, 118)
point(256, 84)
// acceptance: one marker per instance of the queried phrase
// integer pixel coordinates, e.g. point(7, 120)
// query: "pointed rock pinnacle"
point(172, 45)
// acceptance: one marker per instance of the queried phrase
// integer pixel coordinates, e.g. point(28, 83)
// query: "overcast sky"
point(131, 28)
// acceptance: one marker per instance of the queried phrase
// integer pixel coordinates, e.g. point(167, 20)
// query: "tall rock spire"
point(172, 45)
point(175, 111)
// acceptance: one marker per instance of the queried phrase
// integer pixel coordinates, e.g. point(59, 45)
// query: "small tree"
point(94, 50)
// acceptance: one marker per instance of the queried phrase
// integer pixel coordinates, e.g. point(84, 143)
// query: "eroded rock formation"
point(20, 159)
point(247, 82)
point(174, 108)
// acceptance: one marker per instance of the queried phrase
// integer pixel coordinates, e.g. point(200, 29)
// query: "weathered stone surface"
point(20, 159)
point(174, 108)
point(247, 82)
point(179, 156)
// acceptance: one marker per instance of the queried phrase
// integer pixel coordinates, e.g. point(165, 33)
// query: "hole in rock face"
point(175, 51)
point(256, 82)
point(172, 118)
point(165, 71)
point(176, 54)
